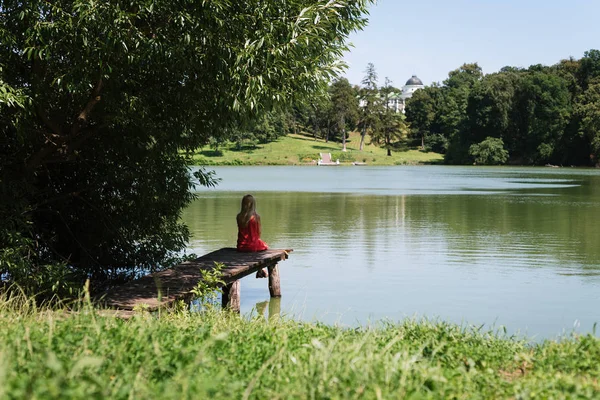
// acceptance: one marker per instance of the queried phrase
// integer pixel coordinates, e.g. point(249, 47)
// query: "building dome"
point(414, 81)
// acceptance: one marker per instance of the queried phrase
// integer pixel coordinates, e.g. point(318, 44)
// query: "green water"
point(513, 247)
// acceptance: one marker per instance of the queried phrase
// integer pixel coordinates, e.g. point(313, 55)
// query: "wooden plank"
point(163, 288)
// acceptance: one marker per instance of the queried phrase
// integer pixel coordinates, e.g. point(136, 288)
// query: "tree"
point(453, 112)
point(491, 151)
point(371, 104)
point(588, 111)
point(97, 99)
point(422, 112)
point(589, 67)
point(391, 127)
point(267, 127)
point(490, 108)
point(324, 113)
point(344, 106)
point(542, 112)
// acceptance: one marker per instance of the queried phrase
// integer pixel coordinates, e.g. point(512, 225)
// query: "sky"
point(429, 38)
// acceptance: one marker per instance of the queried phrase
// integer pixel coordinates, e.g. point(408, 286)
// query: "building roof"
point(414, 81)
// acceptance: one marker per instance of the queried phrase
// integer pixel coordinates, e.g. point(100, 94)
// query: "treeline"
point(330, 115)
point(534, 116)
point(264, 127)
point(344, 108)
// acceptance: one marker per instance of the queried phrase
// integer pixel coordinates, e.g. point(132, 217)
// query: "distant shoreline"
point(297, 149)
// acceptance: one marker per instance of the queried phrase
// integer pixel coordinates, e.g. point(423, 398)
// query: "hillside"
point(296, 149)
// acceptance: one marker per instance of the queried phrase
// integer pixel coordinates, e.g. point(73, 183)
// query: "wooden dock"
point(162, 289)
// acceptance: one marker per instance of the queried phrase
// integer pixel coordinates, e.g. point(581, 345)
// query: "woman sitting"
point(248, 222)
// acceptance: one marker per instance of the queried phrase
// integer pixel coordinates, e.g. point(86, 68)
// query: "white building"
point(412, 85)
point(397, 101)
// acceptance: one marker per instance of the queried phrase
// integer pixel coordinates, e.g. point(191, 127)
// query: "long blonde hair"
point(247, 211)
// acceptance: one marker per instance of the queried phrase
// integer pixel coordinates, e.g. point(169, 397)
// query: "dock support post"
point(274, 284)
point(231, 296)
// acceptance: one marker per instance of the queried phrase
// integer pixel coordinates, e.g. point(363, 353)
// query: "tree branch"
point(55, 128)
point(84, 135)
point(49, 148)
point(84, 114)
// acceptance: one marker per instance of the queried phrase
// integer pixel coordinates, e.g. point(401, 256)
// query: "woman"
point(248, 222)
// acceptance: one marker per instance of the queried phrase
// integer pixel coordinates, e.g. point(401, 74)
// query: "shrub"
point(235, 161)
point(206, 290)
point(544, 153)
point(437, 143)
point(212, 153)
point(308, 157)
point(489, 152)
point(203, 161)
point(343, 156)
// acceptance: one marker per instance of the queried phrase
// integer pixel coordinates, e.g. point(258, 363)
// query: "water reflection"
point(270, 309)
point(517, 247)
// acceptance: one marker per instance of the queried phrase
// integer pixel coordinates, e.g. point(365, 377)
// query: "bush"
point(235, 161)
point(343, 156)
point(308, 157)
point(544, 153)
point(203, 161)
point(489, 152)
point(212, 153)
point(437, 143)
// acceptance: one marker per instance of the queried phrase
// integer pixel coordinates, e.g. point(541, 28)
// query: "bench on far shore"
point(162, 289)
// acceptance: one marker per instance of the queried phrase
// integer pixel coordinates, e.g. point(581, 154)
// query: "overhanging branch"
point(85, 113)
point(50, 148)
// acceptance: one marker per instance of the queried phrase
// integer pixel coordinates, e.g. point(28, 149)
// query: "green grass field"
point(299, 149)
point(218, 355)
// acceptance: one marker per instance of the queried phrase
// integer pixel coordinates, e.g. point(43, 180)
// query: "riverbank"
point(302, 150)
point(217, 355)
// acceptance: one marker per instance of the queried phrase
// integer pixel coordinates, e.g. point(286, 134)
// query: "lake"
point(493, 246)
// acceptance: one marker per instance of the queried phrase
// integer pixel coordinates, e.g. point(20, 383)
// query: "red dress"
point(249, 237)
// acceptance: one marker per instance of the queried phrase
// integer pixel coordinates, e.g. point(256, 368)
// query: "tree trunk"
point(362, 138)
point(343, 126)
point(328, 129)
point(388, 144)
point(422, 141)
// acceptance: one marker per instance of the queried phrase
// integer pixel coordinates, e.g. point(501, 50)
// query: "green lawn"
point(217, 355)
point(300, 149)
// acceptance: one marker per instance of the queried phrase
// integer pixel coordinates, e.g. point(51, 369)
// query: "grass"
point(48, 354)
point(300, 149)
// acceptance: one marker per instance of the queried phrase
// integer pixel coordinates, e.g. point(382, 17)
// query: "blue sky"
point(429, 38)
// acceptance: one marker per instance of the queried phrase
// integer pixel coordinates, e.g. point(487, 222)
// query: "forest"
point(535, 116)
